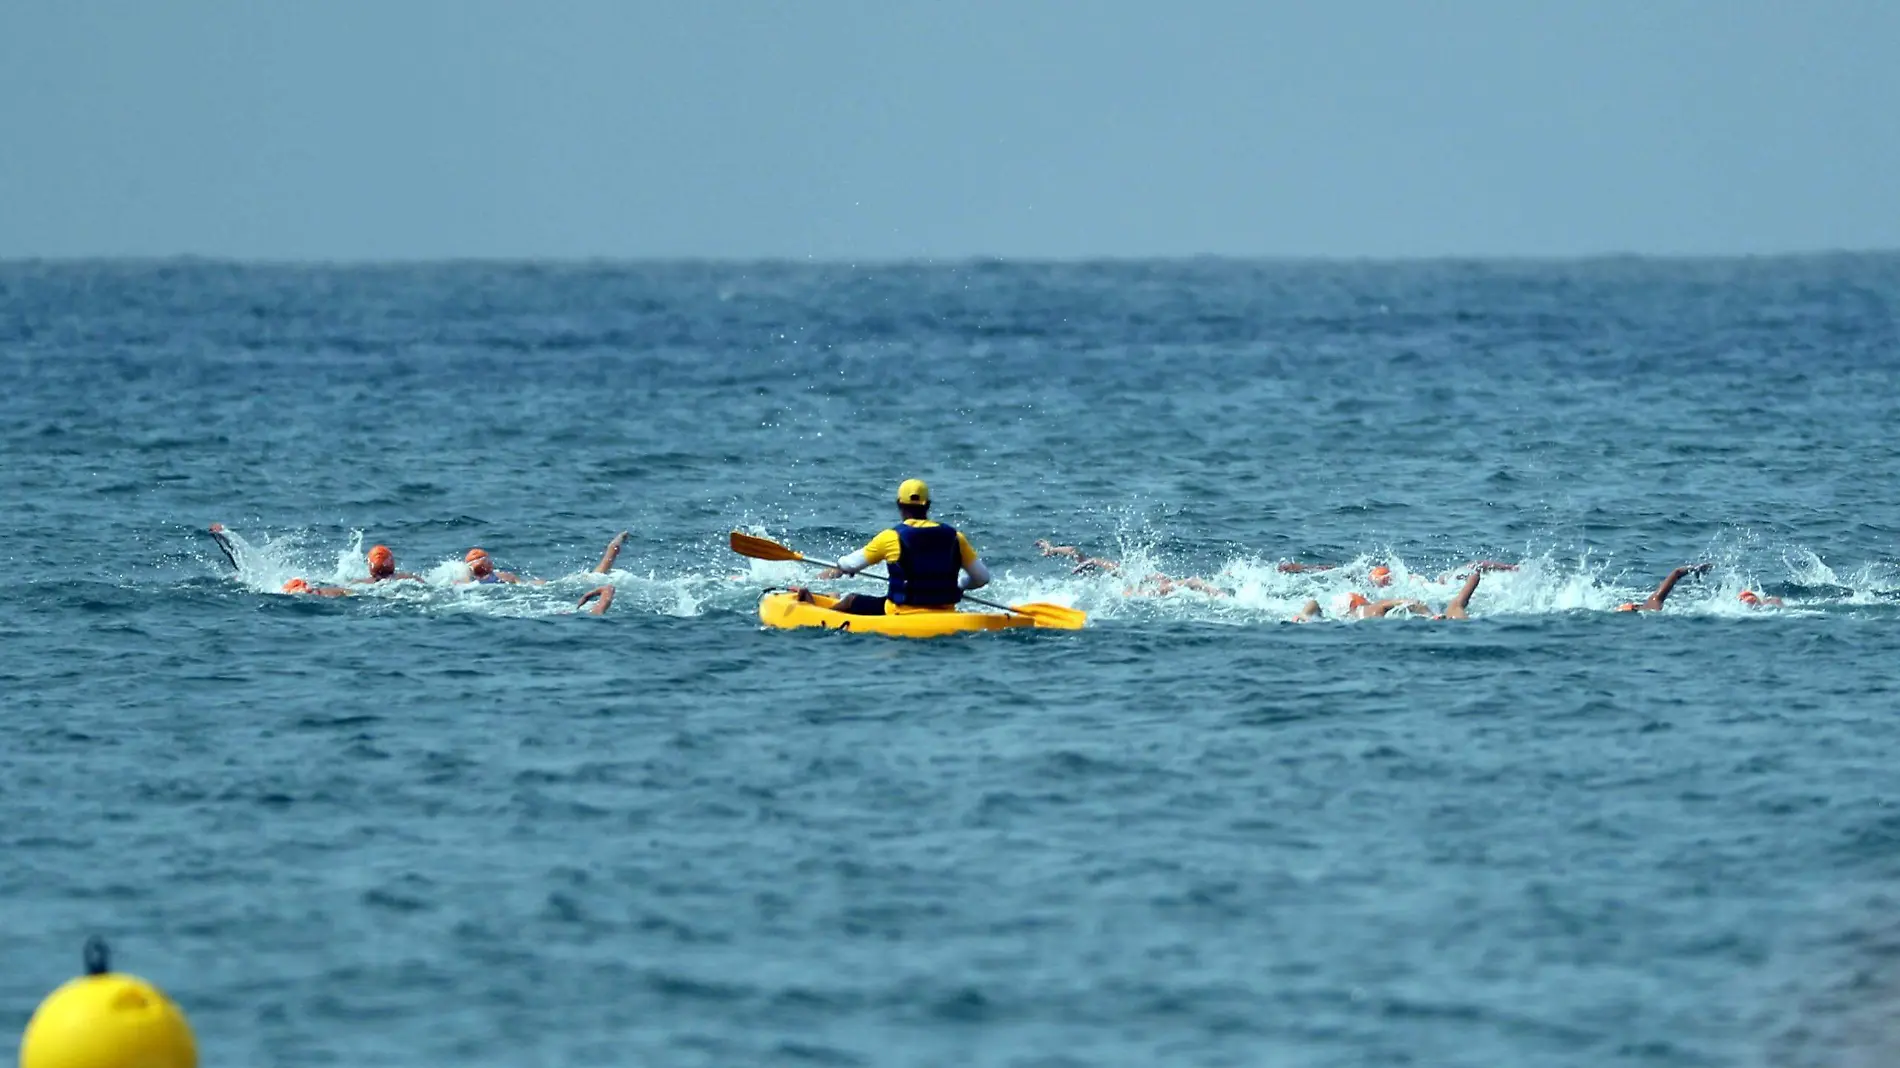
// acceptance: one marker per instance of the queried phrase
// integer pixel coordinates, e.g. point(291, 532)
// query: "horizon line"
point(915, 260)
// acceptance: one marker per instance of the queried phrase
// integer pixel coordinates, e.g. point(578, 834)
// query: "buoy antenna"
point(97, 961)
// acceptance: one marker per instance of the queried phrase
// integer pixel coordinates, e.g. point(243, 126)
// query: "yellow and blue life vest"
point(924, 575)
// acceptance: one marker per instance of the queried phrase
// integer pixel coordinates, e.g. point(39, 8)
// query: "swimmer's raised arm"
point(1456, 609)
point(613, 551)
point(224, 544)
point(602, 596)
point(1668, 584)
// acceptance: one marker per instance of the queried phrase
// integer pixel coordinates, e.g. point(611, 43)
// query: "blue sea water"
point(435, 823)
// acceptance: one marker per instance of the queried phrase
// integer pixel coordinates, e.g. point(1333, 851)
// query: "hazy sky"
point(884, 128)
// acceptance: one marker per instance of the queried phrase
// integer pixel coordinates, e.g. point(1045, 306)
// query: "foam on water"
point(1147, 587)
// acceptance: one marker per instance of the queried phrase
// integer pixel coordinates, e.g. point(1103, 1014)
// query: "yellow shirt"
point(886, 547)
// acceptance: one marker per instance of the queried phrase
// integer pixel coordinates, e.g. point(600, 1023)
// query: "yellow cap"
point(107, 1020)
point(913, 491)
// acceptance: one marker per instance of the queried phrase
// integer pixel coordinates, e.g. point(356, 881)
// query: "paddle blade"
point(1059, 617)
point(762, 548)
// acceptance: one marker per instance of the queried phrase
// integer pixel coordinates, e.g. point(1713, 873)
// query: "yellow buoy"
point(107, 1020)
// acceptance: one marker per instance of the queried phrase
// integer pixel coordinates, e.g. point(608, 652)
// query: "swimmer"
point(1160, 585)
point(602, 596)
point(482, 571)
point(219, 535)
point(1359, 606)
point(1756, 600)
point(1655, 601)
point(382, 562)
point(1152, 585)
point(1381, 574)
point(298, 585)
point(382, 567)
point(1084, 564)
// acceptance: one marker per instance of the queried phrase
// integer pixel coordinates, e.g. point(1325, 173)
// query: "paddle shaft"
point(887, 578)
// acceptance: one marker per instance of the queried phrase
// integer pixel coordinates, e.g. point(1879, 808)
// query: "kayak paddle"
point(1060, 617)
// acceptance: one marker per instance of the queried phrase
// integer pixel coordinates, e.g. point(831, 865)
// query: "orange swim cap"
point(1626, 606)
point(1355, 599)
point(380, 556)
point(1380, 575)
point(296, 585)
point(1748, 597)
point(475, 554)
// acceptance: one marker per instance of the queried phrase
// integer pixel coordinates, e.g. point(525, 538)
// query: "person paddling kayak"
point(924, 558)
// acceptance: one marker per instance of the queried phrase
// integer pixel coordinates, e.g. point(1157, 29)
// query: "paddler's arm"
point(849, 564)
point(876, 551)
point(976, 574)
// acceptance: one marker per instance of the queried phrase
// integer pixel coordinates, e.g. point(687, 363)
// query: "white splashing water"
point(1243, 590)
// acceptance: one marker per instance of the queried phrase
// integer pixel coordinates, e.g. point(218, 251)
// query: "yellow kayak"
point(786, 611)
